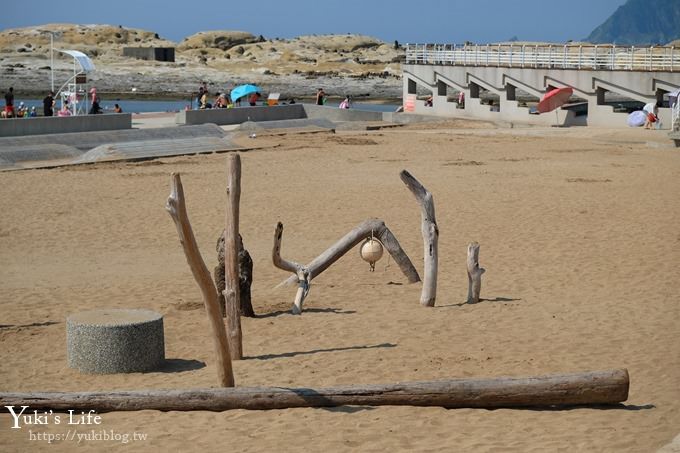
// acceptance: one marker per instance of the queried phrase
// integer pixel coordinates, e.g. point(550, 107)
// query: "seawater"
point(147, 106)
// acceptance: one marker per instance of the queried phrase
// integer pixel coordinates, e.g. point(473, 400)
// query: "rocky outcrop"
point(344, 64)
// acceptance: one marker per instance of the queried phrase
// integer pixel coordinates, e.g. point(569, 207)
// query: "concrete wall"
point(240, 115)
point(274, 113)
point(150, 53)
point(337, 114)
point(638, 85)
point(13, 127)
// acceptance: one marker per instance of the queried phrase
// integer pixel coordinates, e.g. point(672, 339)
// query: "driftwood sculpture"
point(231, 274)
point(430, 233)
point(245, 276)
point(598, 387)
point(474, 273)
point(177, 209)
point(303, 274)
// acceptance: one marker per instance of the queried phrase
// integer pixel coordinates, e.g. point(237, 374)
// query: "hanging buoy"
point(371, 251)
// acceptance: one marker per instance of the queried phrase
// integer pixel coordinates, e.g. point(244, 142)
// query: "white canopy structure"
point(85, 63)
point(82, 64)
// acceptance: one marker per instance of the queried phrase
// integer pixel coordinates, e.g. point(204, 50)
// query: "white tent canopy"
point(83, 60)
point(69, 91)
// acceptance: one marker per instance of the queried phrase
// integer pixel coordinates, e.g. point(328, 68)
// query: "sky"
point(413, 21)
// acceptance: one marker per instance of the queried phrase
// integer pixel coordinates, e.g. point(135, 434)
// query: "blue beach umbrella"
point(243, 90)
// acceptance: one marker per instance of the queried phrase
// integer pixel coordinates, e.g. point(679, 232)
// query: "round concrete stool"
point(115, 341)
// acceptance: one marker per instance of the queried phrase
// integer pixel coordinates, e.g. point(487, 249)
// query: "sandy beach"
point(579, 236)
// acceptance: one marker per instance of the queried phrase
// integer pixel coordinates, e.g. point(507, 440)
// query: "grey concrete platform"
point(88, 140)
point(317, 123)
point(43, 151)
point(31, 156)
point(111, 341)
point(151, 149)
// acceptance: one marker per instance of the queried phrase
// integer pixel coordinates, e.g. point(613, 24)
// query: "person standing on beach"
point(48, 104)
point(320, 97)
point(9, 103)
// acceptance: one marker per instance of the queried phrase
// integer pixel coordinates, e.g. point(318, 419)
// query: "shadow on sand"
point(179, 366)
point(34, 324)
point(598, 407)
point(315, 351)
point(481, 300)
point(335, 311)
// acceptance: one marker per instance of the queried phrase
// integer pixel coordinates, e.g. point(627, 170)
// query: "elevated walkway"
point(641, 74)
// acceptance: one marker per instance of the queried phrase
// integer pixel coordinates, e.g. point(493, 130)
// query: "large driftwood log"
point(177, 209)
point(599, 387)
point(245, 275)
point(364, 230)
point(430, 233)
point(474, 273)
point(231, 276)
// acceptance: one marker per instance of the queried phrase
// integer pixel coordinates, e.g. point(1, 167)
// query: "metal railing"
point(675, 124)
point(612, 58)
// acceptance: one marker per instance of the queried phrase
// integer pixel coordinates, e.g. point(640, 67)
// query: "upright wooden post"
point(430, 233)
point(231, 280)
point(177, 209)
point(474, 273)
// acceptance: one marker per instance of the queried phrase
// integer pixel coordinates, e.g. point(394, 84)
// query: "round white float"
point(111, 341)
point(371, 250)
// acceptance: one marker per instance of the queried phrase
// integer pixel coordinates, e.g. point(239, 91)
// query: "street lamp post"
point(52, 58)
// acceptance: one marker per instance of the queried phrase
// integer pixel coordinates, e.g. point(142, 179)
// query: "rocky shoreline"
point(178, 85)
point(359, 66)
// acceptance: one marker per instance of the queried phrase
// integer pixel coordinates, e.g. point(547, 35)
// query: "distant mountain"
point(640, 22)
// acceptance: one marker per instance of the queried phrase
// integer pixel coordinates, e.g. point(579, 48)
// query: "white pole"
point(52, 58)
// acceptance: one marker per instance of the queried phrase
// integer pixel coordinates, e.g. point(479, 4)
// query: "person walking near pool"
point(320, 97)
point(9, 103)
point(48, 104)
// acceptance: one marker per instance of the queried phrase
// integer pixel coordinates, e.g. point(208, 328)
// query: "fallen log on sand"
point(597, 387)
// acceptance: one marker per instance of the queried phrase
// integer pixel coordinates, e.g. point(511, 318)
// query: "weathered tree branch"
point(430, 233)
point(300, 271)
point(474, 273)
point(231, 275)
point(176, 207)
point(598, 387)
point(364, 230)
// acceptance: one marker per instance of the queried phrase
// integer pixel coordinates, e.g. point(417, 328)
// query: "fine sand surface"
point(578, 231)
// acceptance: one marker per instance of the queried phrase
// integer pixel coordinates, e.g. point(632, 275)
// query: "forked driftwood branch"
point(597, 387)
point(176, 207)
point(231, 275)
point(474, 273)
point(359, 233)
point(303, 274)
point(430, 233)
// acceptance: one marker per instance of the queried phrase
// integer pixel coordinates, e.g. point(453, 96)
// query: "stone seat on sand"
point(111, 341)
